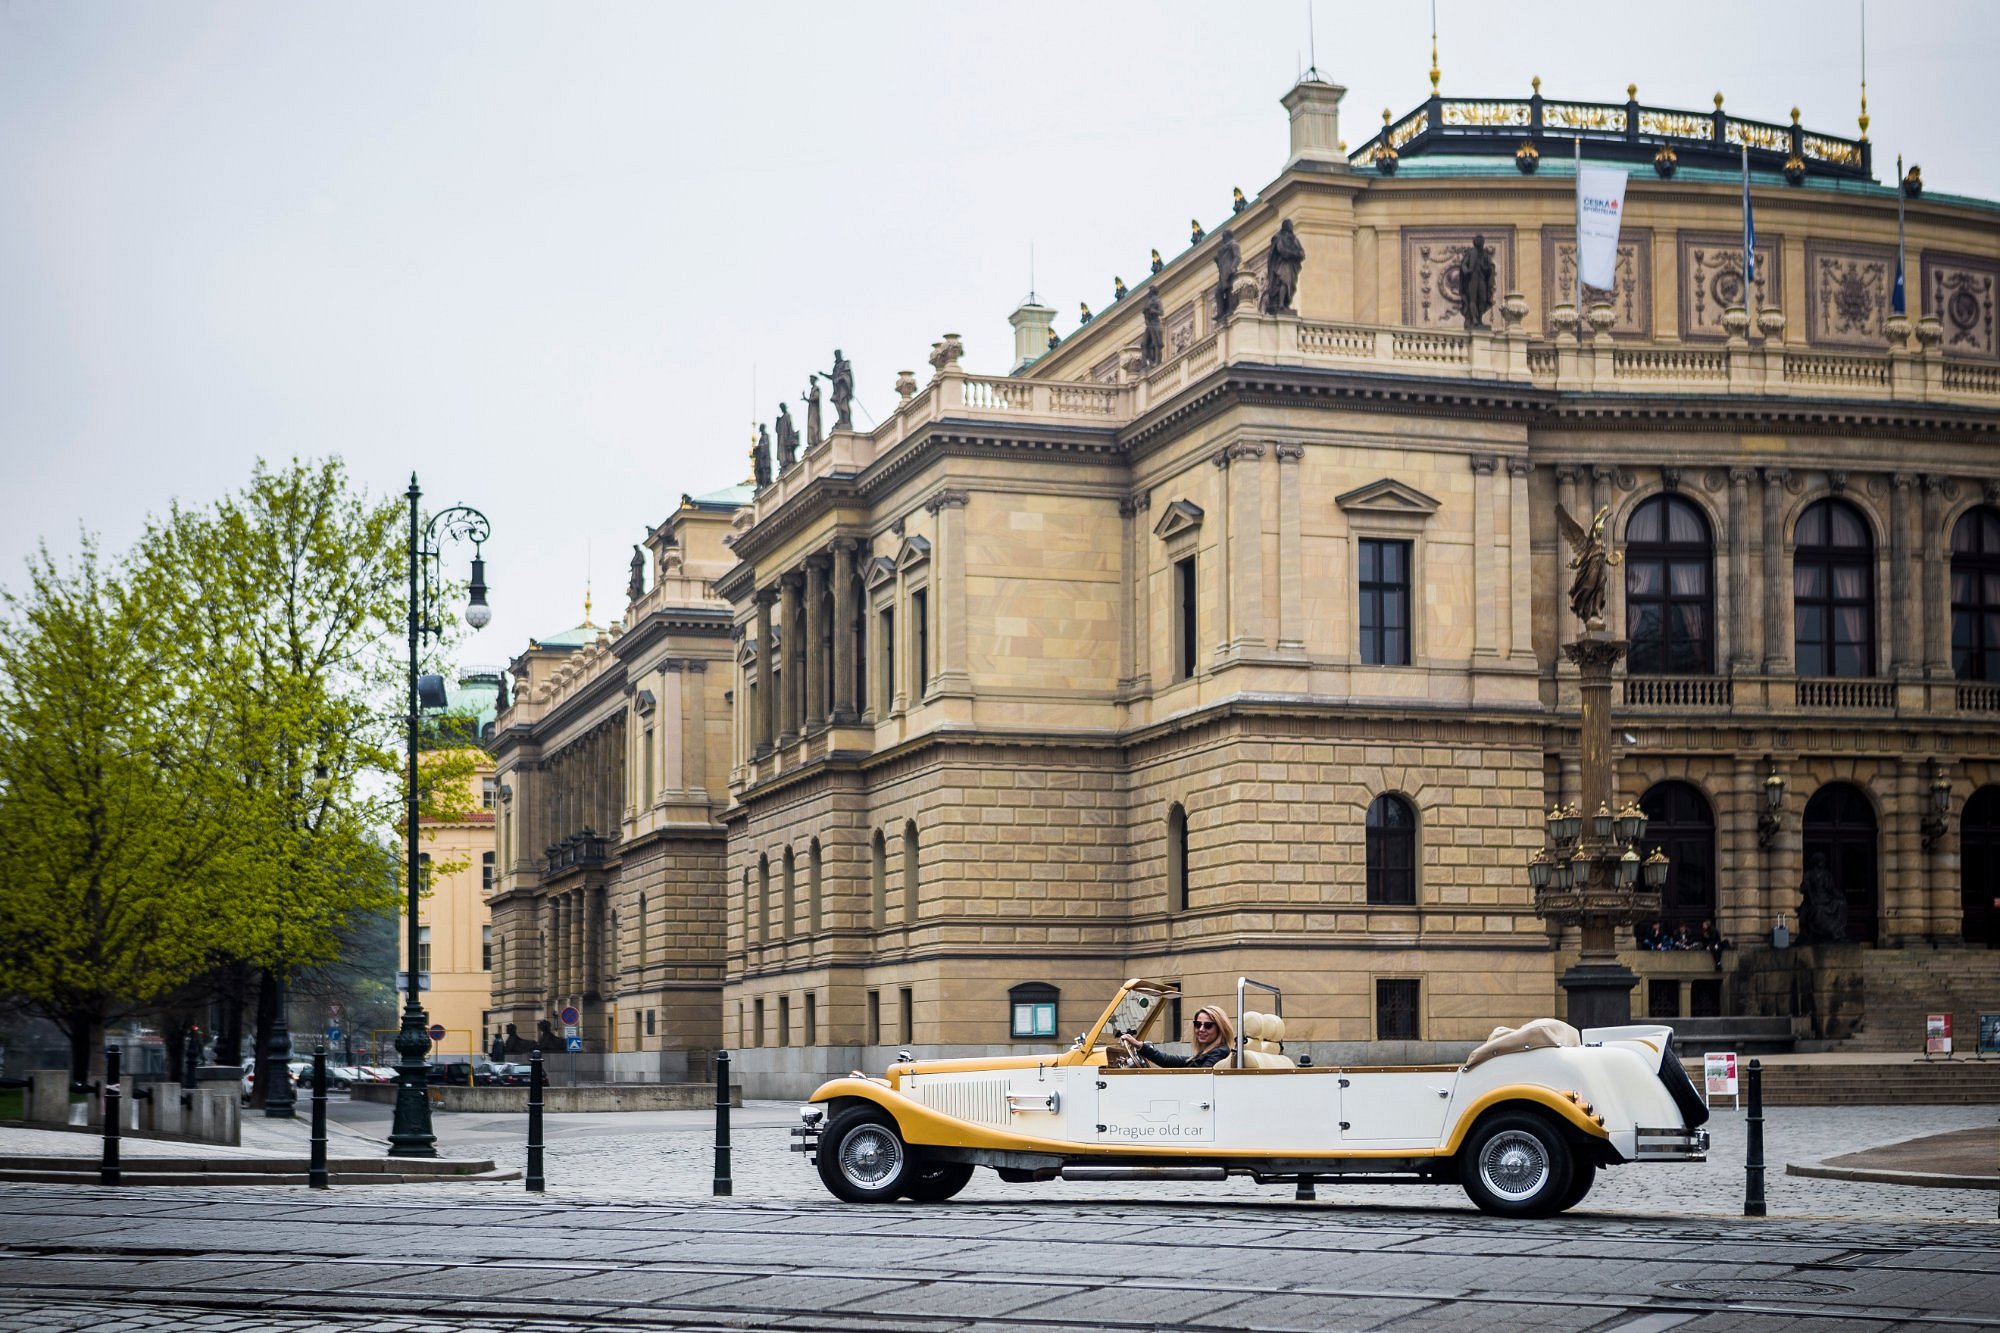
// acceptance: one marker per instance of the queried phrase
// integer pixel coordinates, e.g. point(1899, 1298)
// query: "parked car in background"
point(504, 1076)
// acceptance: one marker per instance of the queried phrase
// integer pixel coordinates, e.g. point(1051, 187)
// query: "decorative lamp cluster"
point(1567, 861)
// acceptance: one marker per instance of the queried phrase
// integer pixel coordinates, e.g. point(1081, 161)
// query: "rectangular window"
point(486, 948)
point(812, 1019)
point(874, 1018)
point(920, 642)
point(1385, 602)
point(757, 1022)
point(423, 948)
point(486, 793)
point(888, 623)
point(486, 872)
point(784, 1020)
point(906, 1017)
point(647, 793)
point(649, 1022)
point(1186, 618)
point(1396, 1009)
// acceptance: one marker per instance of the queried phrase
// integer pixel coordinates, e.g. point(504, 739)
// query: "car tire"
point(1582, 1175)
point(1517, 1164)
point(863, 1159)
point(934, 1182)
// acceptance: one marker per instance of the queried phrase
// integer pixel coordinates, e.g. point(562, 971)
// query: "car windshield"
point(1136, 1011)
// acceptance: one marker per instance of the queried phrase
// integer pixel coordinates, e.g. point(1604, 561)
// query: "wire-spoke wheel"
point(862, 1158)
point(1516, 1164)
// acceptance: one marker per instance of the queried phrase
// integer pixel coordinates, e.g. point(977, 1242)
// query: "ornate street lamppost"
point(1592, 876)
point(410, 1133)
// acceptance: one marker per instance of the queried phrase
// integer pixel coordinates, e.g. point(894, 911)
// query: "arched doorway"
point(1679, 822)
point(1979, 867)
point(1840, 826)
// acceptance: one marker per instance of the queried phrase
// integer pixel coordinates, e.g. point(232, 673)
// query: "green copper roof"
point(730, 497)
point(574, 637)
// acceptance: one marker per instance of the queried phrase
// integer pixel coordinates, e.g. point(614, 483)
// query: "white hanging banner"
point(1600, 205)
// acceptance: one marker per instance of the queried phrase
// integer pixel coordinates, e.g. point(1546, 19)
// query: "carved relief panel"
point(1631, 297)
point(1105, 371)
point(1959, 290)
point(1179, 330)
point(1711, 280)
point(1847, 294)
point(1430, 272)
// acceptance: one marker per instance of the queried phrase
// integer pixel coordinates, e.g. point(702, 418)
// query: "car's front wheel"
point(862, 1158)
point(1516, 1164)
point(935, 1182)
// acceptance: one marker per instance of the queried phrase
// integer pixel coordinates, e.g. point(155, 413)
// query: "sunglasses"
point(1203, 1023)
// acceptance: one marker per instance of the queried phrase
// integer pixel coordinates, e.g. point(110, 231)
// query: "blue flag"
point(1896, 303)
point(1749, 232)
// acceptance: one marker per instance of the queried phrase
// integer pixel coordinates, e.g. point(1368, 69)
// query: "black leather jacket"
point(1152, 1054)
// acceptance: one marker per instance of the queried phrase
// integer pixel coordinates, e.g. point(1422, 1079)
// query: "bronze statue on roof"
point(1281, 270)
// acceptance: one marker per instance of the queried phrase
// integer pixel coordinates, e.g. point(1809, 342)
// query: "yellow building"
point(1224, 635)
point(454, 929)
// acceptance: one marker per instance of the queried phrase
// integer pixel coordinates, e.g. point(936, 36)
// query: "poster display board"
point(1718, 1075)
point(1937, 1035)
point(1989, 1035)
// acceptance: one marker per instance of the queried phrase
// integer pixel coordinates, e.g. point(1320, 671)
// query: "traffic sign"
point(437, 1032)
point(569, 1015)
point(573, 1044)
point(570, 1030)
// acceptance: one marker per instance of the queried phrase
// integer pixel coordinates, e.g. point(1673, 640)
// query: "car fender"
point(1546, 1099)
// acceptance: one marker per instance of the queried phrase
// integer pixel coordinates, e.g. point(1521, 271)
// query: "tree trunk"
point(267, 1009)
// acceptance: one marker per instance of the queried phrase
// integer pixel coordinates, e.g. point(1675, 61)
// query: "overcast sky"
point(541, 253)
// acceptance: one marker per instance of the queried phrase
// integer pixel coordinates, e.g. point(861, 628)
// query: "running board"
point(1145, 1173)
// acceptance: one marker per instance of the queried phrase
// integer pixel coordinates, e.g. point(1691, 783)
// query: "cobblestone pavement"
point(411, 1258)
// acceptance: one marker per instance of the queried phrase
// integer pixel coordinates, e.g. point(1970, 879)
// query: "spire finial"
point(1864, 71)
point(1434, 48)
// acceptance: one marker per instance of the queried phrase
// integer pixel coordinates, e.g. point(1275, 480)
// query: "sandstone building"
point(1238, 652)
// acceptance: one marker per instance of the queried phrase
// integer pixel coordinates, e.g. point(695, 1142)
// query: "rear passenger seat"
point(1263, 1038)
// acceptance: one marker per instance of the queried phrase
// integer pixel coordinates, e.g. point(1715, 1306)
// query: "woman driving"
point(1214, 1038)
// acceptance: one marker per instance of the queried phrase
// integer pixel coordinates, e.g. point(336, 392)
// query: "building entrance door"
point(1979, 867)
point(1840, 824)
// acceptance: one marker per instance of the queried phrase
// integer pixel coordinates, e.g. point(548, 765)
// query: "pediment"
point(878, 571)
point(913, 552)
point(1387, 496)
point(746, 652)
point(1182, 516)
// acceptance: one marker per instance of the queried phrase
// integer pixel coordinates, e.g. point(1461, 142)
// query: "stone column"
point(948, 595)
point(1936, 610)
point(846, 703)
point(593, 940)
point(1140, 563)
point(1904, 650)
point(578, 910)
point(672, 740)
point(1568, 627)
point(1601, 479)
point(1291, 552)
point(791, 615)
point(1486, 559)
point(1225, 581)
point(1128, 623)
point(1246, 533)
point(765, 717)
point(552, 947)
point(1777, 577)
point(816, 642)
point(694, 693)
point(1742, 652)
point(1520, 564)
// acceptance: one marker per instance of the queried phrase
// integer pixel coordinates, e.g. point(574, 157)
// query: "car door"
point(1395, 1108)
point(1162, 1108)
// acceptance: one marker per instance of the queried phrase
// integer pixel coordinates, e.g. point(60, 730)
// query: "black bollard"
point(1753, 1148)
point(316, 1170)
point(107, 1173)
point(723, 1184)
point(535, 1180)
point(1305, 1192)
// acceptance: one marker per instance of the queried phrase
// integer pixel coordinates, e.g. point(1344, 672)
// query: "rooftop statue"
point(1117, 289)
point(1158, 264)
point(811, 400)
point(1281, 275)
point(1475, 283)
point(1085, 317)
point(1588, 557)
point(1195, 233)
point(788, 438)
point(760, 457)
point(635, 586)
point(1153, 341)
point(842, 379)
point(1237, 203)
point(1228, 261)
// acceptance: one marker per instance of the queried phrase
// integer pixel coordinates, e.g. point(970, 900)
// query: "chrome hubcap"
point(1514, 1165)
point(870, 1155)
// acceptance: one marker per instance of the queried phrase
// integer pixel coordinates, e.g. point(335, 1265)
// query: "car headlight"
point(812, 1115)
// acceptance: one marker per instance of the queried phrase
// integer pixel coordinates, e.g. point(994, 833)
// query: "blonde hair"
point(1225, 1031)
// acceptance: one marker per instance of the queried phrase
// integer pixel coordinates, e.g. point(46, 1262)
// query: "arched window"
point(909, 870)
point(790, 901)
point(763, 898)
point(878, 879)
point(1975, 595)
point(1833, 592)
point(1177, 859)
point(1669, 589)
point(1680, 823)
point(813, 907)
point(1392, 851)
point(1839, 828)
point(1979, 866)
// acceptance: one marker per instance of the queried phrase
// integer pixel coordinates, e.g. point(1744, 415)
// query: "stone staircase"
point(1917, 1083)
point(1902, 986)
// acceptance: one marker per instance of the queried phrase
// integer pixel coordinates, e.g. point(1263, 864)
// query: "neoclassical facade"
point(1231, 645)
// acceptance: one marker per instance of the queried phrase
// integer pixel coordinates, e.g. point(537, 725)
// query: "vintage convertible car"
point(1523, 1125)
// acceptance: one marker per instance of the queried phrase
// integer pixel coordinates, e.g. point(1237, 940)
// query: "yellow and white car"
point(1523, 1125)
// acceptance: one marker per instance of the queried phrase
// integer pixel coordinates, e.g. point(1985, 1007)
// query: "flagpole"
point(1577, 208)
point(1749, 234)
point(1898, 299)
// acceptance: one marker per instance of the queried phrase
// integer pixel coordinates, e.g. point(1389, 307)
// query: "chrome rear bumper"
point(1670, 1145)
